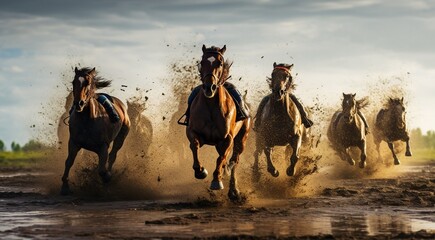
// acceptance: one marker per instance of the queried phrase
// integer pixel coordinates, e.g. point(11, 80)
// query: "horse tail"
point(362, 103)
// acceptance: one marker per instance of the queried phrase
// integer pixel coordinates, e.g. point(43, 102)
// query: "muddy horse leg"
point(391, 146)
point(223, 148)
point(72, 153)
point(117, 144)
point(256, 167)
point(295, 143)
point(363, 149)
point(239, 147)
point(270, 168)
point(346, 156)
point(103, 155)
point(200, 171)
point(408, 148)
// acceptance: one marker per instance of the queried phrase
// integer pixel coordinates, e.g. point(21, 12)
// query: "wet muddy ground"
point(401, 207)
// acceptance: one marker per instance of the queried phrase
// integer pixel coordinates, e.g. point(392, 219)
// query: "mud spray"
point(156, 162)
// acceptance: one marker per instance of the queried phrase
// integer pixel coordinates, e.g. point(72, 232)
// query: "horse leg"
point(223, 148)
point(117, 144)
point(200, 172)
point(296, 146)
point(362, 147)
point(103, 155)
point(270, 168)
point(391, 146)
point(256, 166)
point(239, 147)
point(72, 153)
point(408, 148)
point(347, 157)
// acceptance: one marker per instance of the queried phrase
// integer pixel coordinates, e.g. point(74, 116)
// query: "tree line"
point(32, 145)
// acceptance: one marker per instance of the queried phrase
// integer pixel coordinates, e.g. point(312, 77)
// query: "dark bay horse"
point(347, 129)
point(390, 126)
point(90, 127)
point(213, 121)
point(281, 123)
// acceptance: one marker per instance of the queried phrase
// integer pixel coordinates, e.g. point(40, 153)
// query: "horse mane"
point(362, 103)
point(99, 82)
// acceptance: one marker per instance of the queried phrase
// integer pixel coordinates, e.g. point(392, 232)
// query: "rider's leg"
point(107, 104)
point(305, 120)
point(364, 120)
point(192, 96)
point(242, 109)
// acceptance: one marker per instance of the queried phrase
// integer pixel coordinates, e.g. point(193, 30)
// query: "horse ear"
point(344, 95)
point(76, 70)
point(353, 95)
point(92, 72)
point(223, 49)
point(290, 67)
point(274, 65)
point(401, 100)
point(203, 48)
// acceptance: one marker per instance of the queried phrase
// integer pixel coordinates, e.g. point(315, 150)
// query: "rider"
point(103, 99)
point(305, 120)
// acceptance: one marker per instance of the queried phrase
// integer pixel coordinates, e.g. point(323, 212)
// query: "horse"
point(390, 126)
point(90, 127)
point(281, 123)
point(347, 129)
point(213, 121)
point(141, 130)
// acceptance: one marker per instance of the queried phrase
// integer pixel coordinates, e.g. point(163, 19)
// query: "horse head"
point(398, 112)
point(281, 80)
point(349, 107)
point(83, 87)
point(211, 69)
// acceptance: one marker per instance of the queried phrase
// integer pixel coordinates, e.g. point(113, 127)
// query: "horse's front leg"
point(103, 155)
point(346, 156)
point(270, 168)
point(362, 147)
point(72, 153)
point(223, 148)
point(391, 146)
point(296, 145)
point(200, 171)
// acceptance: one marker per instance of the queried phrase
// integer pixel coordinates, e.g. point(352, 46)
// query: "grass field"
point(21, 159)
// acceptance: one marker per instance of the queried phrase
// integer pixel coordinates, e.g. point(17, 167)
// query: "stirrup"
point(184, 123)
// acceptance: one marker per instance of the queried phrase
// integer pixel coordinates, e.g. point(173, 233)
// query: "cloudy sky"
point(336, 46)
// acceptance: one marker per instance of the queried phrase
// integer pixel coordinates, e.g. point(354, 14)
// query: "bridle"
point(287, 78)
point(219, 83)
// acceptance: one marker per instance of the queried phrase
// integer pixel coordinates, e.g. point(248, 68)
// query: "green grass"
point(20, 159)
point(423, 156)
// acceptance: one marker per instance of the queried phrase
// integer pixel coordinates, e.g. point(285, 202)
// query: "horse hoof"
point(362, 164)
point(216, 185)
point(106, 177)
point(64, 191)
point(396, 162)
point(351, 162)
point(201, 174)
point(273, 172)
point(234, 196)
point(408, 154)
point(290, 171)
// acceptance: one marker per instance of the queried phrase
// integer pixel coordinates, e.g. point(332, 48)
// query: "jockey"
point(105, 100)
point(305, 120)
point(242, 109)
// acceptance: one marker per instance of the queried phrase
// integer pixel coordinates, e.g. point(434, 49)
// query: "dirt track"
point(401, 207)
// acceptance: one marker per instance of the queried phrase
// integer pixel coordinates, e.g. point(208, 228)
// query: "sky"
point(336, 46)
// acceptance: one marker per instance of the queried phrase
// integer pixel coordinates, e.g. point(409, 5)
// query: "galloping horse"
point(390, 126)
point(281, 123)
point(213, 121)
point(347, 129)
point(90, 127)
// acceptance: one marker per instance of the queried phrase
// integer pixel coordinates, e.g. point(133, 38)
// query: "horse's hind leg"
point(363, 156)
point(391, 146)
point(72, 153)
point(117, 144)
point(103, 155)
point(408, 148)
point(296, 145)
point(270, 168)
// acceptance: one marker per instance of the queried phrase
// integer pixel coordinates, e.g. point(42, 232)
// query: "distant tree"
point(15, 147)
point(417, 138)
point(32, 145)
point(2, 146)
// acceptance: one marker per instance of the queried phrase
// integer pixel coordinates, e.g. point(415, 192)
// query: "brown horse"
point(90, 127)
point(213, 121)
point(347, 129)
point(390, 126)
point(281, 123)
